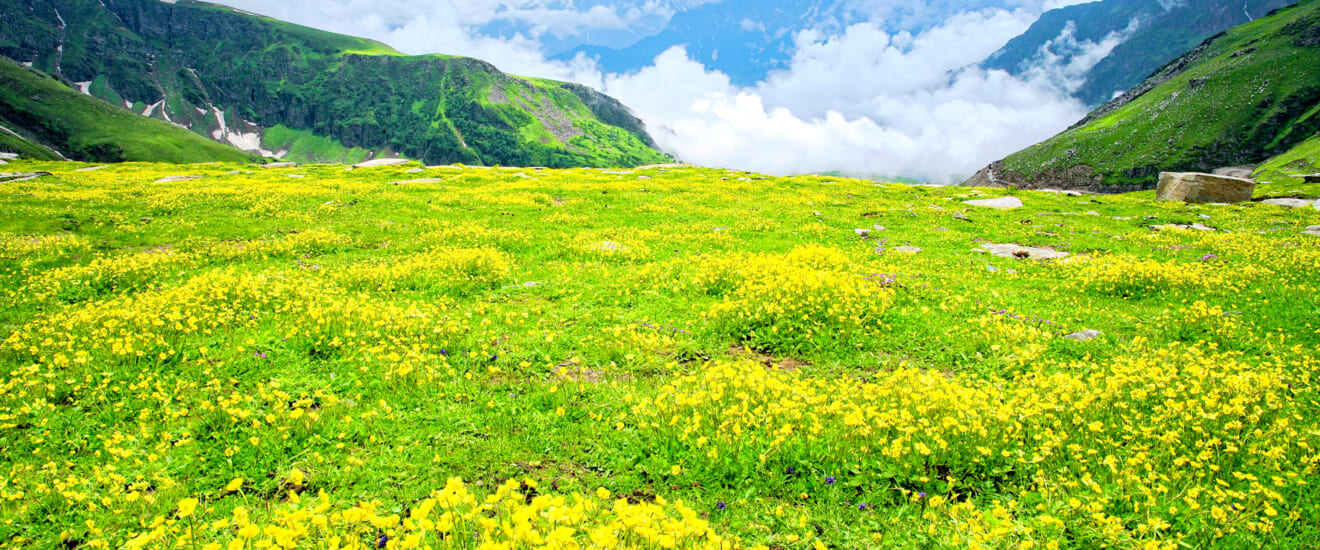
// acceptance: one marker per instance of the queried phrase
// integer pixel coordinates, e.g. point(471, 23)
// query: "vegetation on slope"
point(687, 358)
point(51, 121)
point(230, 75)
point(1239, 98)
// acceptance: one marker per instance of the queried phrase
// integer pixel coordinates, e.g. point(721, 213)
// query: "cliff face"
point(1239, 98)
point(232, 76)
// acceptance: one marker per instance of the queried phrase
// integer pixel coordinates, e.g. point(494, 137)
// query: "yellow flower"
point(249, 531)
point(602, 493)
point(296, 477)
point(186, 507)
point(234, 485)
point(676, 470)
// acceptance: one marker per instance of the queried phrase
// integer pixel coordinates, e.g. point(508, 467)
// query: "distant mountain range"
point(1245, 97)
point(283, 90)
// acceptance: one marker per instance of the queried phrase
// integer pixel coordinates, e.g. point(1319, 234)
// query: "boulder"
point(1290, 203)
point(1197, 187)
point(15, 177)
point(1243, 172)
point(1001, 203)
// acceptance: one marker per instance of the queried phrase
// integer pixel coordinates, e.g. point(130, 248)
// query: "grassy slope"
point(1227, 109)
point(356, 94)
point(335, 333)
point(1285, 168)
point(83, 128)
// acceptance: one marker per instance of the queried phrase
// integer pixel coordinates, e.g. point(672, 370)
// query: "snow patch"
point(84, 87)
point(128, 104)
point(152, 108)
point(222, 131)
point(27, 64)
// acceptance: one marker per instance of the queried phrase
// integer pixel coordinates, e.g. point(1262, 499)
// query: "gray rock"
point(1313, 228)
point(907, 249)
point(961, 216)
point(816, 213)
point(1196, 187)
point(863, 233)
point(297, 175)
point(169, 179)
point(1290, 203)
point(1001, 203)
point(1011, 250)
point(380, 162)
point(1316, 233)
point(609, 246)
point(881, 228)
point(1195, 226)
point(15, 177)
point(1085, 335)
point(90, 168)
point(422, 180)
point(280, 165)
point(414, 170)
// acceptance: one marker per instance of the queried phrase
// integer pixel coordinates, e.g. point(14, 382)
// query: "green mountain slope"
point(1152, 33)
point(1239, 98)
point(232, 76)
point(44, 119)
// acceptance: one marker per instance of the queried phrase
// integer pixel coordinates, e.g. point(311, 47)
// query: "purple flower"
point(444, 352)
point(921, 494)
point(382, 541)
point(829, 480)
point(721, 505)
point(862, 507)
point(1208, 257)
point(791, 471)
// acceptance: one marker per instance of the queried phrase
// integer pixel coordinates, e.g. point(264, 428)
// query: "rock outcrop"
point(1203, 188)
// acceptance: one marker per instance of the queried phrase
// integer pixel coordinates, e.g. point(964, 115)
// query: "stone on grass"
point(1197, 187)
point(863, 233)
point(609, 246)
point(90, 168)
point(15, 177)
point(169, 179)
point(280, 165)
point(1196, 226)
point(961, 216)
point(422, 180)
point(907, 249)
point(1001, 203)
point(1085, 335)
point(1290, 203)
point(380, 162)
point(1011, 250)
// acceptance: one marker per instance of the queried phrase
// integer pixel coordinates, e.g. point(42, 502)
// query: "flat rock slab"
point(414, 170)
point(422, 180)
point(1064, 192)
point(169, 179)
point(1290, 203)
point(90, 168)
point(1085, 335)
point(1196, 226)
point(1001, 203)
point(1197, 187)
point(380, 162)
point(907, 249)
point(1011, 250)
point(280, 165)
point(15, 177)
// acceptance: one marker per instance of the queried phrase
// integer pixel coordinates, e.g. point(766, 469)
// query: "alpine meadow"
point(263, 286)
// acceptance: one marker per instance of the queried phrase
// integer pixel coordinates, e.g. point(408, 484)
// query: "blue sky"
point(887, 87)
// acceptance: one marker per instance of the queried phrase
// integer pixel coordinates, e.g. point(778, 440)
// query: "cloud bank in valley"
point(863, 101)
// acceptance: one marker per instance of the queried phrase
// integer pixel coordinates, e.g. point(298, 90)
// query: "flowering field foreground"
point(450, 357)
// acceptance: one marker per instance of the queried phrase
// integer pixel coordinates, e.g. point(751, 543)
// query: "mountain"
point(1238, 98)
point(294, 92)
point(42, 118)
point(1143, 35)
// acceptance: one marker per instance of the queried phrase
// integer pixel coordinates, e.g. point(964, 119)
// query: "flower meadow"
point(667, 357)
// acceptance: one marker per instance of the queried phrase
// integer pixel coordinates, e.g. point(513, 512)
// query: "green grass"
point(1245, 100)
point(84, 128)
point(305, 147)
point(345, 345)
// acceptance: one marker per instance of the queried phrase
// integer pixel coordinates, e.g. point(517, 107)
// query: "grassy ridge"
point(52, 116)
point(233, 76)
point(686, 358)
point(1244, 97)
